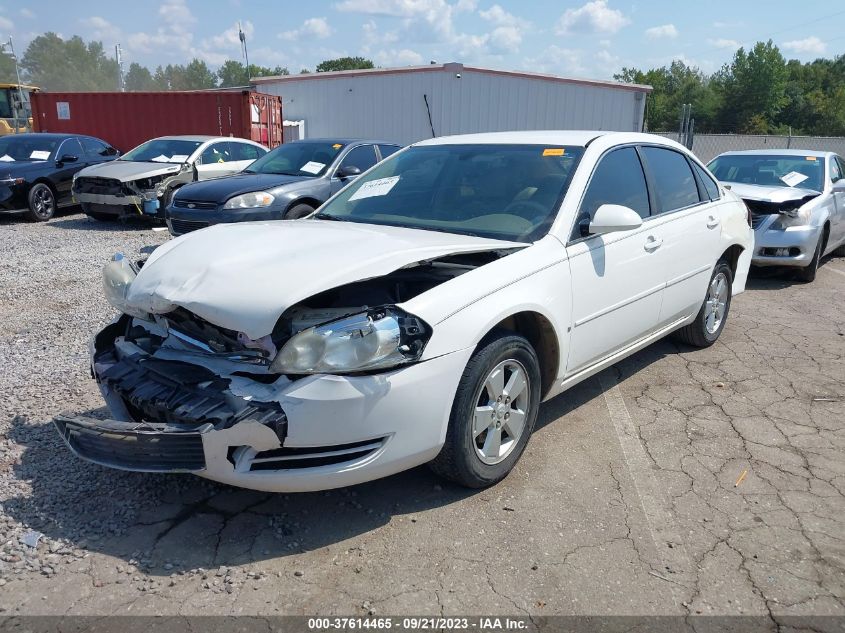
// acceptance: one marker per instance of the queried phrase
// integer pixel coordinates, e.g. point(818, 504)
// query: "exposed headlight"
point(793, 218)
point(250, 200)
point(118, 275)
point(377, 339)
point(12, 181)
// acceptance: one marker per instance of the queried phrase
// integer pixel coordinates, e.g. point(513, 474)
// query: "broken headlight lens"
point(118, 275)
point(250, 200)
point(793, 218)
point(377, 339)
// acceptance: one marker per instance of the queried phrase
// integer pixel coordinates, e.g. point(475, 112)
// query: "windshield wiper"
point(333, 218)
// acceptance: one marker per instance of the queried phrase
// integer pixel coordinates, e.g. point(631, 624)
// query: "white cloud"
point(229, 38)
point(724, 43)
point(555, 59)
point(664, 30)
point(402, 57)
point(102, 29)
point(423, 19)
point(312, 28)
point(593, 17)
point(811, 45)
point(6, 24)
point(175, 17)
point(497, 15)
point(29, 14)
point(509, 31)
point(373, 37)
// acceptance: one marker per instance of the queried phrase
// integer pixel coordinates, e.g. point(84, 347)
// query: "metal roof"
point(450, 67)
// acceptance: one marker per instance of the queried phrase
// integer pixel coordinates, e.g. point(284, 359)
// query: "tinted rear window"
point(674, 184)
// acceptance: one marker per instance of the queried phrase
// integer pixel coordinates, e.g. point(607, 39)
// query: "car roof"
point(51, 135)
point(347, 141)
point(577, 138)
point(777, 152)
point(191, 137)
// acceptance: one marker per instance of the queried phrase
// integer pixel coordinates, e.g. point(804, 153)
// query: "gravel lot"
point(625, 501)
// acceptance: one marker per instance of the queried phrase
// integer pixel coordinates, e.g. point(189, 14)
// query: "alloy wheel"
point(502, 405)
point(716, 303)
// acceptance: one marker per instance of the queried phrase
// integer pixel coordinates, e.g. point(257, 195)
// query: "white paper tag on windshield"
point(161, 158)
point(7, 159)
point(794, 178)
point(312, 167)
point(178, 158)
point(380, 187)
point(40, 155)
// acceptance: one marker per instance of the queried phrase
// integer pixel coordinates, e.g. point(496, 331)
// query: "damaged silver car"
point(142, 181)
point(797, 203)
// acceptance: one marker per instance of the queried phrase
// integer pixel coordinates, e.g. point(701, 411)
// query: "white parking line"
point(833, 270)
point(675, 562)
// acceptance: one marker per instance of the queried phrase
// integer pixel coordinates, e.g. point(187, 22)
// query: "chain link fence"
point(708, 146)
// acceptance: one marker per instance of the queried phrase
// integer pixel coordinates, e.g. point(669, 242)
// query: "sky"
point(577, 38)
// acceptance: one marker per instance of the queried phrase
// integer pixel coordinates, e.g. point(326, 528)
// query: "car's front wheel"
point(42, 203)
point(298, 211)
point(493, 413)
point(711, 318)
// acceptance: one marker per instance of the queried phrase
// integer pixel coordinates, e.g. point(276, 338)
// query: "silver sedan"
point(797, 203)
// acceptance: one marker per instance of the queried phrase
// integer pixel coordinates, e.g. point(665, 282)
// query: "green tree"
point(344, 63)
point(56, 64)
point(138, 78)
point(754, 89)
point(233, 73)
point(7, 68)
point(198, 76)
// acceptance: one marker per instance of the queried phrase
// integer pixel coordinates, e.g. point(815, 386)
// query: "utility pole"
point(118, 55)
point(14, 57)
point(242, 38)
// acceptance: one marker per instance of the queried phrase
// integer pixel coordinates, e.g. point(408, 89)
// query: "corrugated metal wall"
point(708, 146)
point(391, 106)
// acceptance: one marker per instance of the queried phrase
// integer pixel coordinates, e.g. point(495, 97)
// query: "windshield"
point(806, 172)
point(162, 150)
point(507, 192)
point(297, 159)
point(29, 147)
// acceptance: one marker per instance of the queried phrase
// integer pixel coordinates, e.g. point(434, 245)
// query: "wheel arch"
point(731, 256)
point(311, 201)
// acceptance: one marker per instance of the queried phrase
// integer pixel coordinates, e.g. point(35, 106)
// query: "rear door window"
point(387, 150)
point(618, 179)
point(217, 153)
point(835, 169)
point(71, 147)
point(245, 151)
point(674, 184)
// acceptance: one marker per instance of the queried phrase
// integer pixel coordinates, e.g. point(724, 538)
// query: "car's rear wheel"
point(493, 413)
point(711, 318)
point(298, 211)
point(42, 203)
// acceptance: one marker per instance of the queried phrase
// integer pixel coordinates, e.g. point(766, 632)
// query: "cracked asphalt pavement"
point(680, 481)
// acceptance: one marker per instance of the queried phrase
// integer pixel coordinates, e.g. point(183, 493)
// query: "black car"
point(37, 170)
point(287, 183)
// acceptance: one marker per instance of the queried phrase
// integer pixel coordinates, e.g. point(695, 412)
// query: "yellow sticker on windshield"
point(553, 151)
point(813, 158)
point(337, 146)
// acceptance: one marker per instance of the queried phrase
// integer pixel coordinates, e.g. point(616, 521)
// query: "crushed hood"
point(244, 276)
point(771, 193)
point(127, 171)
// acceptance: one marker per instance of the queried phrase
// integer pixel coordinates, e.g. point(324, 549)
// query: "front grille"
point(311, 457)
point(186, 226)
point(193, 204)
point(174, 392)
point(132, 446)
point(101, 186)
point(757, 220)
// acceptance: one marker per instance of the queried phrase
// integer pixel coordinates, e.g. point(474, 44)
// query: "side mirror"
point(68, 158)
point(610, 218)
point(349, 171)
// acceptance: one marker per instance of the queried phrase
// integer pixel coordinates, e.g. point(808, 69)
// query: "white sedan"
point(421, 315)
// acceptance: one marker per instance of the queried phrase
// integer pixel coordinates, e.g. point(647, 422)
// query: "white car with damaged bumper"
point(420, 316)
point(797, 202)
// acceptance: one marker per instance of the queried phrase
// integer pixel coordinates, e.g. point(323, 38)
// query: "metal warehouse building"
point(417, 102)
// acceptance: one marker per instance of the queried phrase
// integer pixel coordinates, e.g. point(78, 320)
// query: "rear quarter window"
point(674, 184)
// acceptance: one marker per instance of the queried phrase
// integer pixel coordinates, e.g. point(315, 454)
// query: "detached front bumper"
point(314, 433)
point(793, 246)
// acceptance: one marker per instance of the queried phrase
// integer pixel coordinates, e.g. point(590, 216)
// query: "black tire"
point(298, 211)
point(42, 202)
point(459, 459)
point(697, 333)
point(808, 273)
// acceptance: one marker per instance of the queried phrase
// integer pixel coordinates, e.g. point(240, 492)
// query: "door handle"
point(652, 243)
point(712, 222)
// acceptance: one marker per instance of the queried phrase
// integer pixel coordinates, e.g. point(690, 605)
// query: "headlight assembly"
point(253, 200)
point(377, 339)
point(118, 275)
point(793, 218)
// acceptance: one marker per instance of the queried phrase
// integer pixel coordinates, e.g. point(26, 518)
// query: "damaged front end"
point(187, 395)
point(139, 196)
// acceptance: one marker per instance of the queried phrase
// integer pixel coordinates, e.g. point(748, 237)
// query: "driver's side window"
point(618, 179)
point(362, 157)
point(835, 169)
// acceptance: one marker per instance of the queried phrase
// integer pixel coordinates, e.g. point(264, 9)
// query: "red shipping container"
point(127, 119)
